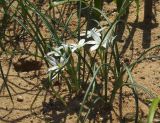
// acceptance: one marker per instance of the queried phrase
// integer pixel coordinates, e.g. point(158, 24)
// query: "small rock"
point(20, 99)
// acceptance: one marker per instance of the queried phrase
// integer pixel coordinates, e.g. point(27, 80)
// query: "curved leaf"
point(153, 109)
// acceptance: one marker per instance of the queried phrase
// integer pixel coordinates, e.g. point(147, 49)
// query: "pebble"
point(20, 99)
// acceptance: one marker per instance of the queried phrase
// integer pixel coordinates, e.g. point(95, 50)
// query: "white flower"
point(91, 32)
point(55, 52)
point(60, 51)
point(66, 48)
point(56, 65)
point(95, 45)
point(97, 41)
point(80, 44)
point(96, 35)
point(58, 59)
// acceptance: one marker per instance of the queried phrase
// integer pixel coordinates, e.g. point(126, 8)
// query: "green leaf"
point(153, 109)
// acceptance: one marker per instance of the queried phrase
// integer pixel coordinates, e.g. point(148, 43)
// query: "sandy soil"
point(25, 82)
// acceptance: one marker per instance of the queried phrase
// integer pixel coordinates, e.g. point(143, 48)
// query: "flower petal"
point(96, 37)
point(54, 77)
point(81, 42)
point(91, 42)
point(52, 60)
point(100, 29)
point(104, 44)
point(74, 49)
point(94, 47)
point(62, 60)
point(53, 68)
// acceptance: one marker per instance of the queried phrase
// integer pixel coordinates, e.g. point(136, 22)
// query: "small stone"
point(20, 99)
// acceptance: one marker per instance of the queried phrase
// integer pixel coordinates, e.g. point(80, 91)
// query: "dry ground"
point(25, 84)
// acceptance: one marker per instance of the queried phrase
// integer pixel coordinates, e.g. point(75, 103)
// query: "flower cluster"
point(63, 52)
point(96, 41)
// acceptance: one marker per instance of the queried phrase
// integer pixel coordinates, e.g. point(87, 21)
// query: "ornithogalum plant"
point(86, 65)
